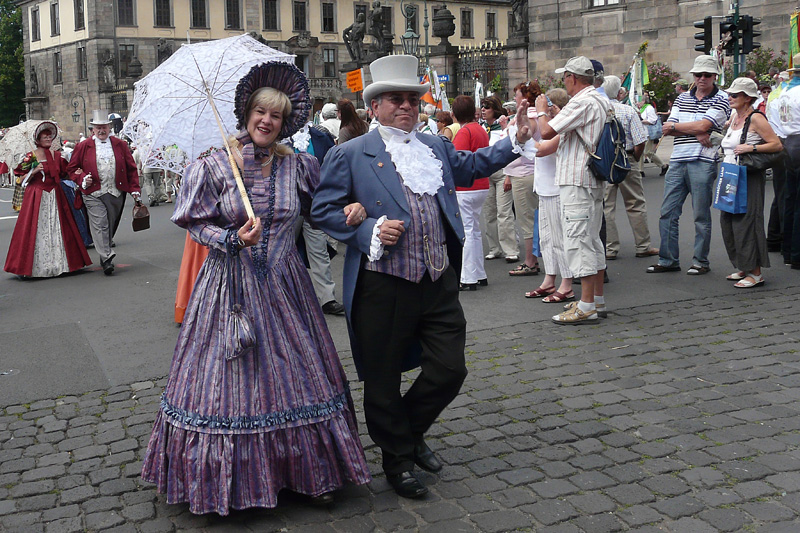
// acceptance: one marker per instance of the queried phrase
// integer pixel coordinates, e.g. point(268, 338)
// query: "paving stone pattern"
point(680, 417)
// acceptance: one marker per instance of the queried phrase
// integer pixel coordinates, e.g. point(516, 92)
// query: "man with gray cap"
point(401, 267)
point(631, 187)
point(692, 167)
point(580, 121)
point(681, 86)
point(330, 119)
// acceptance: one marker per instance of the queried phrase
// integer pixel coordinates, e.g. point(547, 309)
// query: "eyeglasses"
point(735, 95)
point(398, 99)
point(566, 74)
point(704, 75)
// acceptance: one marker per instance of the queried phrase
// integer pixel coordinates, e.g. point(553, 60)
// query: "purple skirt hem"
point(214, 473)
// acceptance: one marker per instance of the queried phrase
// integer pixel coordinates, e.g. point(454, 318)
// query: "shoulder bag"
point(759, 160)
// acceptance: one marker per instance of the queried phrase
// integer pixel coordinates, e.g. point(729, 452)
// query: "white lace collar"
point(301, 139)
point(414, 161)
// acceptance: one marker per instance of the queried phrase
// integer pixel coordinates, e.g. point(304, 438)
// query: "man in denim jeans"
point(692, 167)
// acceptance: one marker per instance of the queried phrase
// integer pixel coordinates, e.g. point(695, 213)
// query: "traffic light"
point(728, 34)
point(704, 35)
point(748, 25)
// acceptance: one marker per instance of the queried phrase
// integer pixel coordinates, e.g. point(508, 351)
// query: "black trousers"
point(776, 212)
point(390, 315)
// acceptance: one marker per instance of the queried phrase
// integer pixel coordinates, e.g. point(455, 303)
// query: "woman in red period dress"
point(46, 241)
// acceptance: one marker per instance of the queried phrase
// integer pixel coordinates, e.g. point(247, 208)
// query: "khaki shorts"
point(582, 216)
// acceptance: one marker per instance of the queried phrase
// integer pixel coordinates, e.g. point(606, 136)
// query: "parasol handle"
point(234, 166)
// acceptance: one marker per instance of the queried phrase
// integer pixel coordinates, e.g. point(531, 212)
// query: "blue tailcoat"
point(361, 170)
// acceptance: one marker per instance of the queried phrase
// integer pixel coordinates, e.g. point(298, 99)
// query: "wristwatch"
point(240, 243)
point(755, 148)
point(672, 130)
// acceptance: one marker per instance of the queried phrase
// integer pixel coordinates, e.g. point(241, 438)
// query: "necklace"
point(269, 159)
point(740, 120)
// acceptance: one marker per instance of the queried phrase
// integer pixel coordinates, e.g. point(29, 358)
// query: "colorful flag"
point(794, 42)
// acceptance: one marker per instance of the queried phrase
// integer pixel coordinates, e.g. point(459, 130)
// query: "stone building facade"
point(612, 30)
point(82, 55)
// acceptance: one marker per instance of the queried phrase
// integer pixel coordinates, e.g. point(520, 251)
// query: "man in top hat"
point(401, 268)
point(104, 169)
point(692, 167)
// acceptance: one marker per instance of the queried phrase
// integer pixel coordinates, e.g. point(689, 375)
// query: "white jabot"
point(301, 139)
point(413, 160)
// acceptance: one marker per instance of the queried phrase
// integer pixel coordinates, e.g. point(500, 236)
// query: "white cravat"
point(414, 161)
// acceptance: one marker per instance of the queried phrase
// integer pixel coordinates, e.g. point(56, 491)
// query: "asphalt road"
point(86, 331)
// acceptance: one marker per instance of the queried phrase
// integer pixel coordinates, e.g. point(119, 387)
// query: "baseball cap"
point(578, 65)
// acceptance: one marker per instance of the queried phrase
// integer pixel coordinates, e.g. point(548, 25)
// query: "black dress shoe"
point(322, 499)
point(467, 286)
point(425, 458)
point(333, 308)
point(483, 282)
point(108, 268)
point(407, 485)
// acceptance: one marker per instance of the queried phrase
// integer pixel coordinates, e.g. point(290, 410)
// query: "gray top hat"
point(99, 117)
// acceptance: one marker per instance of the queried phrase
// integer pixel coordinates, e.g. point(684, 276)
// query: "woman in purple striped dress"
point(234, 430)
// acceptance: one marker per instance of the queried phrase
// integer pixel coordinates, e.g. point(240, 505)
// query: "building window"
point(57, 67)
point(163, 10)
point(55, 24)
point(82, 70)
point(328, 24)
point(388, 23)
point(126, 52)
point(199, 14)
point(271, 15)
point(329, 62)
point(360, 8)
point(79, 22)
point(601, 3)
point(466, 24)
point(491, 26)
point(125, 13)
point(511, 21)
point(301, 62)
point(35, 26)
point(233, 18)
point(299, 16)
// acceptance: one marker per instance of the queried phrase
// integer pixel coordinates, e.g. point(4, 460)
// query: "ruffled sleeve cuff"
point(375, 245)
point(528, 150)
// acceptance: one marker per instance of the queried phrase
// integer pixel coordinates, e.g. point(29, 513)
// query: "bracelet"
point(240, 243)
point(541, 114)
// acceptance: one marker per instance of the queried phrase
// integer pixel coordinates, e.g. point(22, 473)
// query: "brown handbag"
point(141, 217)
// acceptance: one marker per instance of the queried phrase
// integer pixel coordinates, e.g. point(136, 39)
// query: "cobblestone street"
point(680, 417)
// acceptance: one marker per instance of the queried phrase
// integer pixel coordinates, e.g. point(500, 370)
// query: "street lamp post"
point(77, 116)
point(410, 39)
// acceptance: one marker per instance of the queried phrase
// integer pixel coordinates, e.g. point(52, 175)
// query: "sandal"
point(557, 297)
point(540, 292)
point(746, 284)
point(736, 276)
point(524, 270)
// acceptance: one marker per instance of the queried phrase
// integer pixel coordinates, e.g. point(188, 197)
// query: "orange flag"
point(428, 96)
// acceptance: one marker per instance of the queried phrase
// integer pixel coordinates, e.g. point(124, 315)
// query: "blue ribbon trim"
point(337, 403)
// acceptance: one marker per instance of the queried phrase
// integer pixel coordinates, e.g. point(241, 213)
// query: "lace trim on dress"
point(306, 412)
point(416, 163)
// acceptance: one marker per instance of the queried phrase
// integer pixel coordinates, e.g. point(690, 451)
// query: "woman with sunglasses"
point(743, 235)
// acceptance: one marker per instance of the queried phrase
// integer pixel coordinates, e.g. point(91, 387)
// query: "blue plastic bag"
point(730, 194)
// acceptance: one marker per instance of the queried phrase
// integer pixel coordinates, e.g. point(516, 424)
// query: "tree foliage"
point(661, 79)
point(12, 67)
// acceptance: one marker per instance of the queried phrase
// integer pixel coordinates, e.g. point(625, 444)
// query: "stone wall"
point(560, 29)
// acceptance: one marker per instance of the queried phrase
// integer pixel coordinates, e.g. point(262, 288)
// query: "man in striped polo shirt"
point(693, 166)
